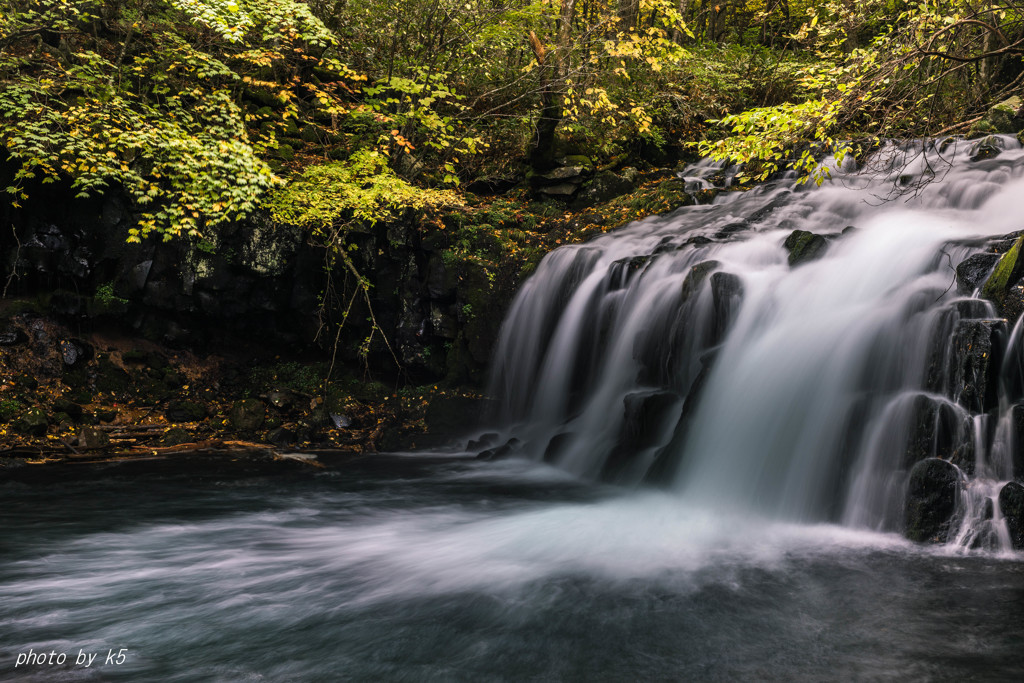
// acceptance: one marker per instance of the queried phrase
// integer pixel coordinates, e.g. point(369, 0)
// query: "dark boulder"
point(509, 449)
point(12, 337)
point(973, 270)
point(804, 246)
point(931, 504)
point(1011, 503)
point(977, 351)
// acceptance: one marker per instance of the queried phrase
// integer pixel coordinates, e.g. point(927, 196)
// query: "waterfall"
point(692, 351)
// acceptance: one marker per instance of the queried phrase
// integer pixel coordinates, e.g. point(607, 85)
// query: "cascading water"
point(718, 351)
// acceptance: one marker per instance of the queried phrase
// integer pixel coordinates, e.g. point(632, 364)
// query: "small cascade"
point(802, 353)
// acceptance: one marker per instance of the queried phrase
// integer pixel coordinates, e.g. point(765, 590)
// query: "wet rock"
point(973, 270)
point(938, 430)
point(485, 440)
point(247, 414)
point(988, 147)
point(932, 492)
point(732, 229)
point(185, 411)
point(106, 415)
point(804, 246)
point(91, 438)
point(646, 416)
point(1017, 438)
point(695, 278)
point(175, 436)
point(977, 349)
point(726, 296)
point(509, 449)
point(33, 422)
point(621, 272)
point(556, 446)
point(1009, 269)
point(1011, 503)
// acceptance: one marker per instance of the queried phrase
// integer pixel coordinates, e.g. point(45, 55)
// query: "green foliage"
point(105, 295)
point(362, 189)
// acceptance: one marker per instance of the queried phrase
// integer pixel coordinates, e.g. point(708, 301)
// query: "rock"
point(695, 278)
point(485, 440)
point(604, 187)
point(175, 436)
point(981, 129)
point(106, 415)
point(70, 408)
point(932, 493)
point(556, 446)
point(621, 272)
point(562, 174)
point(32, 423)
point(977, 349)
point(185, 411)
point(509, 449)
point(1011, 503)
point(989, 147)
point(973, 270)
point(726, 295)
point(1007, 116)
point(560, 190)
point(647, 414)
point(938, 430)
point(74, 351)
point(91, 438)
point(804, 246)
point(282, 400)
point(1008, 270)
point(247, 414)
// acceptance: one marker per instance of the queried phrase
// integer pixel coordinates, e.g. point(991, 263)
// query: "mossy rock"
point(9, 409)
point(980, 129)
point(285, 152)
point(32, 423)
point(1004, 116)
point(1008, 270)
point(804, 246)
point(310, 134)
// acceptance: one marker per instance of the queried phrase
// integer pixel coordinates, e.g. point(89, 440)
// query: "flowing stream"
point(709, 451)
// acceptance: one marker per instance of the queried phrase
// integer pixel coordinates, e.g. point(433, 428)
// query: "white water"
point(815, 373)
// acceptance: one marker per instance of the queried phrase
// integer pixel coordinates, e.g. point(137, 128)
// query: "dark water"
point(424, 568)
